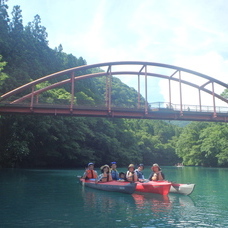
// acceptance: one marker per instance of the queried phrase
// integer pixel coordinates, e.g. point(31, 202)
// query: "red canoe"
point(158, 187)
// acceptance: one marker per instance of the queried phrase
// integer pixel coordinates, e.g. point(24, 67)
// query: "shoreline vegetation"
point(28, 141)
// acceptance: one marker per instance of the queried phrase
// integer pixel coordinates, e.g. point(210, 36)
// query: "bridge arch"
point(142, 69)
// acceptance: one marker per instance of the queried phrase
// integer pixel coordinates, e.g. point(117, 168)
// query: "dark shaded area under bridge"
point(29, 103)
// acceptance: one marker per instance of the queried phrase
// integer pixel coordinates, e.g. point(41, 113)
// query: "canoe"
point(111, 186)
point(157, 187)
point(185, 189)
point(165, 187)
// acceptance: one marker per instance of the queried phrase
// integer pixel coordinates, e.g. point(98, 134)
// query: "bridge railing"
point(155, 106)
point(187, 108)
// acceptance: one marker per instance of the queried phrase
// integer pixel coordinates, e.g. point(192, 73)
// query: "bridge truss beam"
point(9, 106)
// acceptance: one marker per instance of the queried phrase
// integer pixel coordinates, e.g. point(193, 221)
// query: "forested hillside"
point(56, 141)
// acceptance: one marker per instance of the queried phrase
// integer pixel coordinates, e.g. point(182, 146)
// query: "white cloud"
point(211, 64)
point(191, 34)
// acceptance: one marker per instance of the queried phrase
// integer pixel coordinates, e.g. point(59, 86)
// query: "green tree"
point(214, 144)
point(225, 93)
point(17, 22)
point(204, 144)
point(39, 31)
point(152, 145)
point(14, 139)
point(188, 144)
point(57, 141)
point(4, 27)
point(3, 76)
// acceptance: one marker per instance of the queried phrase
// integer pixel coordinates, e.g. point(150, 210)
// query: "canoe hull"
point(157, 187)
point(111, 186)
point(184, 189)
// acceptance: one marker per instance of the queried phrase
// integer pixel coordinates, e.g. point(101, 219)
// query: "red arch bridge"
point(178, 83)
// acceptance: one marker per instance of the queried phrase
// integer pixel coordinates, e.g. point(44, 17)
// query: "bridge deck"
point(117, 112)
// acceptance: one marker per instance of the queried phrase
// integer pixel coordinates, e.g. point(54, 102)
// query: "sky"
point(187, 33)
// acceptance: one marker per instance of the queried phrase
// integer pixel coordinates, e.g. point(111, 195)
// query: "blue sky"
point(186, 33)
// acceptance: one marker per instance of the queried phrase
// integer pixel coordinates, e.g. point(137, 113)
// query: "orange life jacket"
point(105, 178)
point(91, 174)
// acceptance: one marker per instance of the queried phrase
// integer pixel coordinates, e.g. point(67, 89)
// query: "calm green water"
point(54, 198)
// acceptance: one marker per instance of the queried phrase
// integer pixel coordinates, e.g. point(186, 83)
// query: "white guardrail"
point(188, 108)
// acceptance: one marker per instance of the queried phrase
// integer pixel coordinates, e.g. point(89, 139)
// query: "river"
point(54, 198)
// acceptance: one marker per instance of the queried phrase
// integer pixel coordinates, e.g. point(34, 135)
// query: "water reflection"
point(42, 198)
point(116, 209)
point(103, 200)
point(123, 210)
point(157, 203)
point(182, 200)
point(160, 203)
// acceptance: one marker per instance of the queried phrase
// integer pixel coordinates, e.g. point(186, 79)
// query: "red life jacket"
point(91, 174)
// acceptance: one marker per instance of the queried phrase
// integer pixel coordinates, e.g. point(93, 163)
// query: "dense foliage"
point(204, 144)
point(56, 141)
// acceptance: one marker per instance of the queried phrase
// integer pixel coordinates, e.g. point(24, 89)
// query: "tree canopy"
point(56, 141)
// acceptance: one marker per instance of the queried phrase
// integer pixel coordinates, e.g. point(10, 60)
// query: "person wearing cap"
point(139, 172)
point(131, 174)
point(156, 174)
point(114, 172)
point(90, 173)
point(105, 174)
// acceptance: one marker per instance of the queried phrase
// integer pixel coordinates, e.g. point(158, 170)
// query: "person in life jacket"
point(131, 175)
point(156, 174)
point(139, 172)
point(114, 172)
point(90, 173)
point(122, 176)
point(105, 174)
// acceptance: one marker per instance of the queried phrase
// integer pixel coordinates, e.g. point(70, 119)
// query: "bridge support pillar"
point(108, 89)
point(32, 98)
point(180, 89)
point(213, 95)
point(72, 91)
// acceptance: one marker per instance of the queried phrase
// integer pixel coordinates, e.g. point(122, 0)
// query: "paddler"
point(131, 175)
point(105, 175)
point(156, 174)
point(114, 172)
point(139, 172)
point(90, 173)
